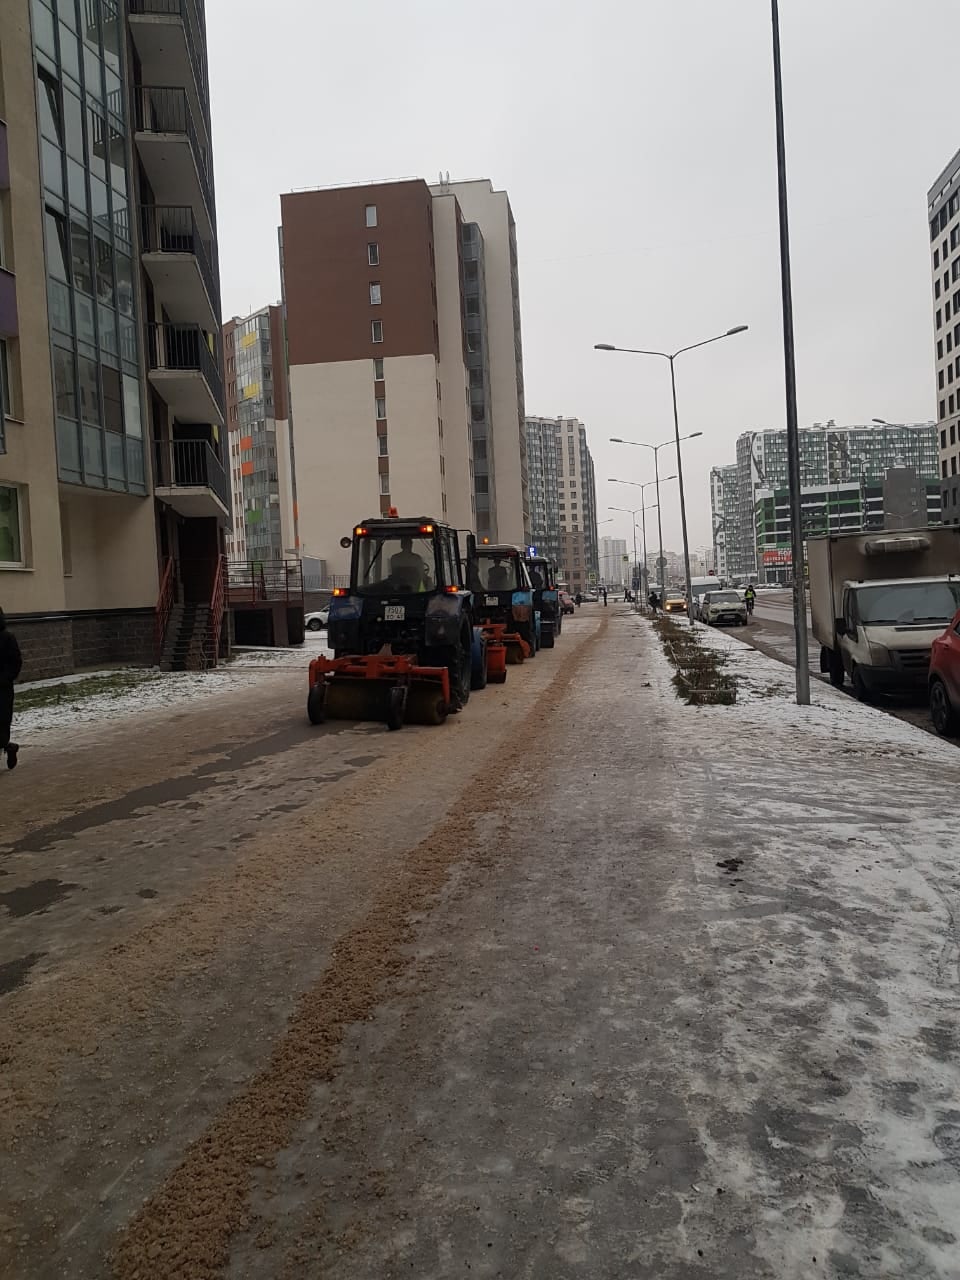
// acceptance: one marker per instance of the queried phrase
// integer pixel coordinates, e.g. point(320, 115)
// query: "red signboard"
point(778, 556)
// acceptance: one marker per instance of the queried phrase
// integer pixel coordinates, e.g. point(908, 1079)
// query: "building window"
point(936, 257)
point(385, 482)
point(381, 408)
point(382, 441)
point(373, 254)
point(376, 331)
point(936, 288)
point(939, 319)
point(6, 399)
point(378, 369)
point(11, 536)
point(375, 293)
point(370, 215)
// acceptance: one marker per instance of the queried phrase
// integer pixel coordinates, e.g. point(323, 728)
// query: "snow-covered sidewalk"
point(92, 697)
point(826, 841)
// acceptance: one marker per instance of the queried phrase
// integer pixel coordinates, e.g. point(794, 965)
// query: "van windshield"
point(903, 603)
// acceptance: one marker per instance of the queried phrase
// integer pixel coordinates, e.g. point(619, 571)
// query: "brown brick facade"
point(327, 273)
point(59, 646)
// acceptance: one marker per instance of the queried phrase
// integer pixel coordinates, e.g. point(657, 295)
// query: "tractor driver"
point(409, 569)
point(498, 579)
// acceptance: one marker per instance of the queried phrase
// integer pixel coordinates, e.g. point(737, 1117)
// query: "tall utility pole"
point(790, 380)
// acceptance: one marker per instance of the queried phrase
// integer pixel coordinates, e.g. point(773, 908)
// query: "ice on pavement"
point(160, 690)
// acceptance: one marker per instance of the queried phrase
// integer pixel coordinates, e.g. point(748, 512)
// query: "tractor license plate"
point(394, 613)
point(490, 600)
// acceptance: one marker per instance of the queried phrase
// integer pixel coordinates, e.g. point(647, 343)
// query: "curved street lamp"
point(671, 357)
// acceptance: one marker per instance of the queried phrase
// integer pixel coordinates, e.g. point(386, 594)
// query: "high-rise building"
point(723, 508)
point(258, 433)
point(943, 214)
point(851, 478)
point(112, 489)
point(563, 498)
point(405, 373)
point(615, 563)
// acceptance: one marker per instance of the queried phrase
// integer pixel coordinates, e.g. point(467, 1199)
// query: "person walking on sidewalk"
point(10, 666)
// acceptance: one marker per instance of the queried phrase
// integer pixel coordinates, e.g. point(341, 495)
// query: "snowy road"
point(585, 983)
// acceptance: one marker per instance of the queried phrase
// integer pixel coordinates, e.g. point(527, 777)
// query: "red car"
point(945, 680)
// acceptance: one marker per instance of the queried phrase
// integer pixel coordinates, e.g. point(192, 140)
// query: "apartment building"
point(723, 503)
point(405, 361)
point(563, 498)
point(112, 491)
point(258, 435)
point(615, 562)
point(943, 215)
point(851, 477)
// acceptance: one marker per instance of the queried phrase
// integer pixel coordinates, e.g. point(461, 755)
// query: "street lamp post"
point(790, 381)
point(655, 450)
point(671, 358)
point(642, 486)
point(633, 514)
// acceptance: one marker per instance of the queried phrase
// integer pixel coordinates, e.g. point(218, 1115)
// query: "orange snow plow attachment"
point(504, 648)
point(378, 686)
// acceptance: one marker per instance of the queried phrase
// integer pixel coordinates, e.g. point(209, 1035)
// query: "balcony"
point(179, 263)
point(175, 159)
point(169, 43)
point(191, 479)
point(184, 372)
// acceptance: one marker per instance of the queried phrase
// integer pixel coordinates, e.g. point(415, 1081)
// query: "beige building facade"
point(390, 345)
point(111, 477)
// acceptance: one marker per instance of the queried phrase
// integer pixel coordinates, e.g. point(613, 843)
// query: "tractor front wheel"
point(315, 703)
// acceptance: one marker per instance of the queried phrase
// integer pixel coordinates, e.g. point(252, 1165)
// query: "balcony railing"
point(187, 11)
point(173, 229)
point(190, 464)
point(166, 109)
point(255, 581)
point(185, 347)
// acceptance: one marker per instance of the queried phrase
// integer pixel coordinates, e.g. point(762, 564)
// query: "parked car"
point(566, 603)
point(674, 603)
point(723, 607)
point(944, 683)
point(317, 620)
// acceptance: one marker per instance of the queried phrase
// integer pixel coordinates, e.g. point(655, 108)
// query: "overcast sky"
point(636, 142)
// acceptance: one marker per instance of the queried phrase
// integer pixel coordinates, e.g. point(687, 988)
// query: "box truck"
point(879, 600)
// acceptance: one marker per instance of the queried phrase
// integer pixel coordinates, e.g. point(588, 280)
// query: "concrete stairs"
point(187, 645)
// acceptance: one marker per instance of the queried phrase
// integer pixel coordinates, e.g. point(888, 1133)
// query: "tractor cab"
point(406, 589)
point(546, 597)
point(502, 591)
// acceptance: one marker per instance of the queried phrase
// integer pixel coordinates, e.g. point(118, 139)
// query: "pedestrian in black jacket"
point(10, 665)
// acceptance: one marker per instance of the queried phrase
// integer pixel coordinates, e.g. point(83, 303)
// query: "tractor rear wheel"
point(478, 671)
point(546, 635)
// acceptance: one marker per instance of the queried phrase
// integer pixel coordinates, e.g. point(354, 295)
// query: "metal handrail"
point(210, 644)
point(185, 346)
point(173, 229)
point(252, 581)
point(191, 464)
point(166, 109)
point(164, 604)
